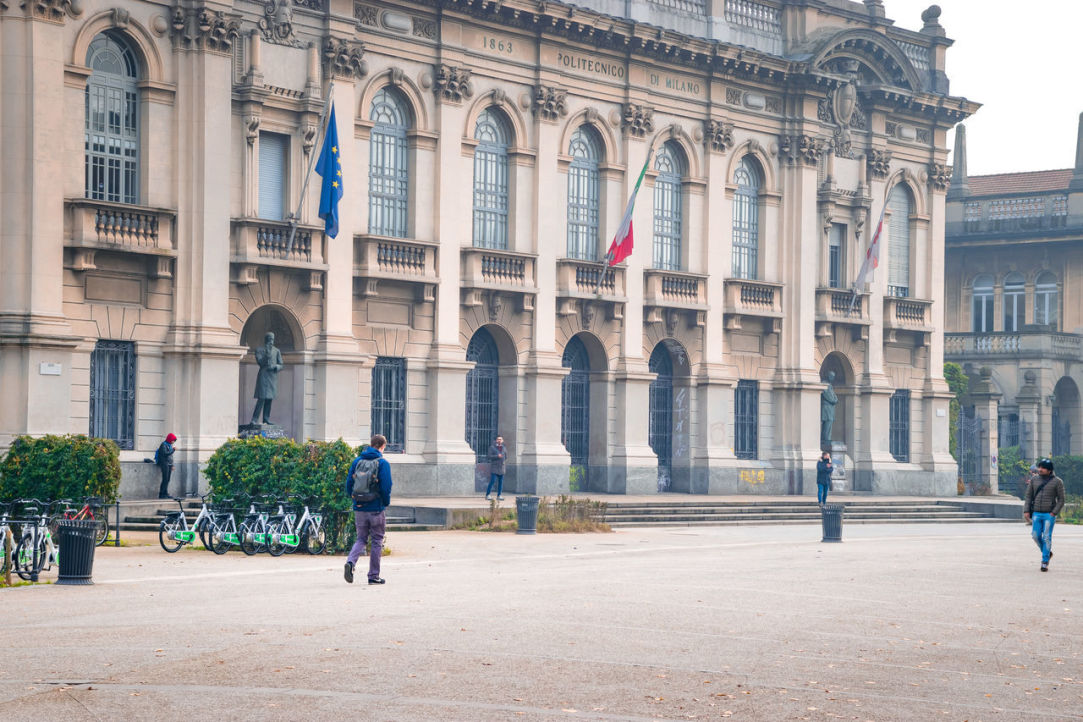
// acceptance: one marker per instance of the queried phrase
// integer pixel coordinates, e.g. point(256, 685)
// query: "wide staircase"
point(858, 510)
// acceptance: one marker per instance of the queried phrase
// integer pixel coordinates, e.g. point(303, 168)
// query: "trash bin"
point(831, 515)
point(526, 510)
point(76, 539)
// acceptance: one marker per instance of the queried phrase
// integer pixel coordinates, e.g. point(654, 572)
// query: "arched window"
point(111, 121)
point(1045, 299)
point(981, 313)
point(491, 181)
point(482, 393)
point(668, 207)
point(1015, 302)
point(575, 402)
point(660, 413)
point(746, 219)
point(583, 195)
point(389, 175)
point(898, 264)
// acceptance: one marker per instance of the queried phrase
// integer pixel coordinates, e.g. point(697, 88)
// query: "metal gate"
point(1062, 435)
point(660, 421)
point(968, 445)
point(575, 402)
point(482, 393)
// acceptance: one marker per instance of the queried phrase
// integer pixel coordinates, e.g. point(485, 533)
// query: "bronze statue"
point(828, 400)
point(269, 359)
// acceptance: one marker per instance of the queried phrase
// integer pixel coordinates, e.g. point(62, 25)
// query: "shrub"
point(1070, 469)
point(1013, 471)
point(60, 467)
point(568, 514)
point(957, 383)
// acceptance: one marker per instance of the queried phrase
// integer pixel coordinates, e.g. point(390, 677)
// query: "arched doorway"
point(287, 408)
point(1065, 427)
point(482, 393)
point(843, 442)
point(668, 414)
point(575, 411)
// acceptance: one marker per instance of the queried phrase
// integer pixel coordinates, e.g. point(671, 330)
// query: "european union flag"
point(330, 169)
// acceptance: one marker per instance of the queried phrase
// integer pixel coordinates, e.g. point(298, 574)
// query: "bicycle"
point(5, 526)
point(174, 532)
point(253, 530)
point(87, 513)
point(284, 536)
point(222, 533)
point(36, 552)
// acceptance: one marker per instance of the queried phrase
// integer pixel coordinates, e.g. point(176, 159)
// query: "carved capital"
point(56, 11)
point(878, 163)
point(344, 58)
point(452, 84)
point(719, 135)
point(637, 120)
point(939, 176)
point(801, 149)
point(550, 102)
point(203, 29)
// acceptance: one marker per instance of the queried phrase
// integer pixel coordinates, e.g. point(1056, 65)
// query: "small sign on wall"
point(941, 412)
point(48, 368)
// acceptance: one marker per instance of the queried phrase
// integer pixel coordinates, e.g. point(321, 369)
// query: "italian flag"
point(621, 247)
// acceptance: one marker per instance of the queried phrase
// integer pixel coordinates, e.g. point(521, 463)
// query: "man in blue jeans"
point(1043, 501)
point(369, 514)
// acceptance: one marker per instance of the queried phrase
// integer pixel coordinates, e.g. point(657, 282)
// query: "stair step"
point(767, 521)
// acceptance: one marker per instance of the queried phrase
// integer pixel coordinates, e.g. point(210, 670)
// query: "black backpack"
point(366, 481)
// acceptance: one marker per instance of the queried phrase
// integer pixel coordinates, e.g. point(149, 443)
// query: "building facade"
point(155, 155)
point(1014, 316)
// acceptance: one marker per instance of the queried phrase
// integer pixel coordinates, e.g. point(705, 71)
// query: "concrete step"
point(746, 518)
point(773, 522)
point(806, 509)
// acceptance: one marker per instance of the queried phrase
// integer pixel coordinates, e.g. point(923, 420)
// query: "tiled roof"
point(1037, 181)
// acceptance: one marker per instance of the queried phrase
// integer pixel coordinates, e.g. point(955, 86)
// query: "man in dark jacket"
point(498, 454)
point(163, 459)
point(1043, 501)
point(369, 516)
point(823, 477)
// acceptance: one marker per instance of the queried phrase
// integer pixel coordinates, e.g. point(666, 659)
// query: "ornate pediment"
point(874, 58)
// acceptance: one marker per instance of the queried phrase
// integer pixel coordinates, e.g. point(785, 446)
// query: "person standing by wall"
point(498, 454)
point(823, 477)
point(369, 502)
point(163, 459)
point(1044, 500)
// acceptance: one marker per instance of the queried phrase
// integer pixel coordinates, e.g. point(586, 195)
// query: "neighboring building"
point(1013, 268)
point(153, 154)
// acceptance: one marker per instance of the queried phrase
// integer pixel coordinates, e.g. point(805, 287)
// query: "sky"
point(1022, 62)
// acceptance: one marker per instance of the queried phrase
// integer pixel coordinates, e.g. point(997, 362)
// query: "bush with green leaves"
point(1012, 471)
point(60, 467)
point(1070, 469)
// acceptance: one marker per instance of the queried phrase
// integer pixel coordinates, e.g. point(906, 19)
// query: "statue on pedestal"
point(828, 400)
point(270, 363)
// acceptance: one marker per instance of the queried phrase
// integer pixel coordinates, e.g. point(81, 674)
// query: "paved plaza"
point(899, 622)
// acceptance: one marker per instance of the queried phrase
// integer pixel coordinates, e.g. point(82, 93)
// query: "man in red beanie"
point(163, 458)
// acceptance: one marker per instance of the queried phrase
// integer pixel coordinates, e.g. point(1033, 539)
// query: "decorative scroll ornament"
point(878, 163)
point(939, 176)
point(308, 139)
point(586, 314)
point(203, 29)
point(495, 305)
point(276, 25)
point(638, 120)
point(719, 135)
point(550, 102)
point(452, 84)
point(344, 58)
point(56, 11)
point(251, 128)
point(801, 149)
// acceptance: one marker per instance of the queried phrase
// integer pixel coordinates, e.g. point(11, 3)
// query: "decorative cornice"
point(344, 58)
point(452, 84)
point(802, 149)
point(719, 135)
point(550, 102)
point(939, 176)
point(637, 120)
point(56, 11)
point(203, 29)
point(878, 163)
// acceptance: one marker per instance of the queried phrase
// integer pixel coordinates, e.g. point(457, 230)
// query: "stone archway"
point(669, 414)
point(288, 409)
point(1067, 434)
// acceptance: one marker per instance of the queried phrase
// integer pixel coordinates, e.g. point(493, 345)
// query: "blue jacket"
point(823, 472)
point(383, 473)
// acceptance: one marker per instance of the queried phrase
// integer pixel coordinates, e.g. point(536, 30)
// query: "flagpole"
point(601, 273)
point(626, 225)
point(321, 132)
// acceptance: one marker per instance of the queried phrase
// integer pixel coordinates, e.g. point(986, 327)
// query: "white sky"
point(1021, 60)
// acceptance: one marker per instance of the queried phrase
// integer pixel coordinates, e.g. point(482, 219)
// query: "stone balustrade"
point(91, 226)
point(258, 243)
point(674, 289)
point(1025, 344)
point(744, 298)
point(907, 313)
point(379, 259)
point(485, 270)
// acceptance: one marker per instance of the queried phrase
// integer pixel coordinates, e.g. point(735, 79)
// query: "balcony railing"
point(91, 226)
point(379, 258)
point(1027, 344)
point(487, 270)
point(579, 279)
point(261, 243)
point(752, 299)
point(840, 305)
point(674, 289)
point(907, 313)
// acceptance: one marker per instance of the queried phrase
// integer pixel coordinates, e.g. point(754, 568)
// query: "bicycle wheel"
point(101, 530)
point(170, 524)
point(247, 532)
point(24, 557)
point(312, 539)
point(202, 529)
point(215, 541)
point(275, 546)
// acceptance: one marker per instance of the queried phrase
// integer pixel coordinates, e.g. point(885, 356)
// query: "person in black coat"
point(498, 454)
point(823, 477)
point(163, 459)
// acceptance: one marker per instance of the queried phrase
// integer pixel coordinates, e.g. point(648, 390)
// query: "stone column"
point(985, 399)
point(543, 460)
point(1029, 400)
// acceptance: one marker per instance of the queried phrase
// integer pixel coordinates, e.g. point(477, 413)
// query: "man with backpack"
point(1044, 500)
point(369, 486)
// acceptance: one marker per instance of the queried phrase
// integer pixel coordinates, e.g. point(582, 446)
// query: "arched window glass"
point(583, 195)
point(1045, 299)
point(667, 207)
point(898, 264)
point(660, 412)
point(389, 175)
point(982, 305)
point(746, 219)
point(482, 393)
point(111, 121)
point(1015, 302)
point(575, 402)
point(491, 181)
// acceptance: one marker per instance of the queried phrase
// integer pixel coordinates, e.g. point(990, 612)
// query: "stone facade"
point(137, 238)
point(1014, 319)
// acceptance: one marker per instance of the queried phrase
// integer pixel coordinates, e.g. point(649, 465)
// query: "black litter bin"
point(831, 515)
point(76, 539)
point(526, 509)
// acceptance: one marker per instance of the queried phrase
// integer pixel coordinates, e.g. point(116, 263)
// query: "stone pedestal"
point(840, 462)
point(267, 431)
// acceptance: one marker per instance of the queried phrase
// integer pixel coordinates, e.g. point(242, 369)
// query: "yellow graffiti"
point(750, 476)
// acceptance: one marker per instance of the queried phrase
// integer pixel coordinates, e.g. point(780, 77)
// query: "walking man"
point(163, 459)
point(823, 477)
point(372, 484)
point(1044, 500)
point(498, 454)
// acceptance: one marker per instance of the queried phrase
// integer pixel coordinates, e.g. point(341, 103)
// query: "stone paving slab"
point(903, 622)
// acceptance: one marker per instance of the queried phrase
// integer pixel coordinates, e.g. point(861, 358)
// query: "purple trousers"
point(369, 524)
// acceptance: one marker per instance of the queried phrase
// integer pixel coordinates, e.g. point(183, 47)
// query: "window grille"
point(660, 399)
point(112, 392)
point(746, 419)
point(491, 182)
point(389, 401)
point(746, 220)
point(575, 402)
point(835, 256)
point(667, 208)
point(899, 425)
point(1045, 299)
point(1015, 302)
point(982, 305)
point(111, 121)
point(898, 271)
point(388, 172)
point(272, 175)
point(482, 393)
point(1008, 431)
point(583, 195)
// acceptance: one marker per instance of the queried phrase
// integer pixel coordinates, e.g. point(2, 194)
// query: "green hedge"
point(1070, 469)
point(316, 470)
point(60, 467)
point(1013, 471)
